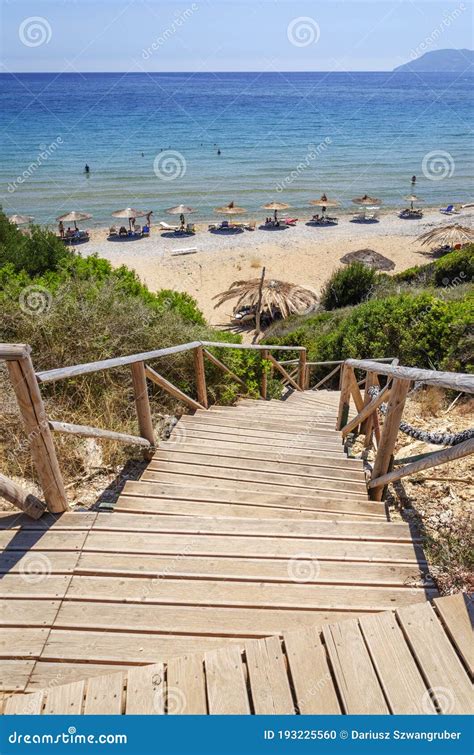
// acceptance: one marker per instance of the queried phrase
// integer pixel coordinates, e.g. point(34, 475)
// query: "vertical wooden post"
point(384, 458)
point(302, 370)
point(200, 374)
point(263, 388)
point(347, 374)
point(142, 404)
point(367, 426)
point(258, 310)
point(40, 437)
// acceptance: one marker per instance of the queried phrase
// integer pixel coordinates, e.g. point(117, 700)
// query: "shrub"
point(35, 254)
point(348, 286)
point(455, 268)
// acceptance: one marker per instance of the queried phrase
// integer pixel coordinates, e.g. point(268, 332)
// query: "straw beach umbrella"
point(277, 297)
point(324, 202)
point(448, 235)
point(276, 207)
point(129, 213)
point(20, 219)
point(367, 201)
point(73, 217)
point(231, 209)
point(413, 198)
point(181, 210)
point(369, 258)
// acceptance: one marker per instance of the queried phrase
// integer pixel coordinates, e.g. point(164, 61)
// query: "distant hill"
point(441, 61)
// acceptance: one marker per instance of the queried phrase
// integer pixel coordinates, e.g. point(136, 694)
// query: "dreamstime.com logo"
point(70, 736)
point(303, 568)
point(45, 153)
point(437, 165)
point(303, 31)
point(35, 300)
point(170, 31)
point(35, 31)
point(169, 165)
point(35, 567)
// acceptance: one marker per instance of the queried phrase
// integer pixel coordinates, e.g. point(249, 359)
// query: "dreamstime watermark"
point(35, 300)
point(437, 32)
point(35, 567)
point(173, 701)
point(437, 165)
point(444, 698)
point(170, 31)
point(43, 157)
point(314, 151)
point(169, 165)
point(35, 31)
point(303, 31)
point(303, 567)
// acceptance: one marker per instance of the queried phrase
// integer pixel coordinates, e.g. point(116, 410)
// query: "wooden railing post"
point(302, 370)
point(200, 374)
point(383, 460)
point(142, 404)
point(345, 387)
point(263, 388)
point(30, 402)
point(367, 426)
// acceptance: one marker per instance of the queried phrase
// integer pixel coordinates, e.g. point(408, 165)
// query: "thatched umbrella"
point(277, 297)
point(413, 198)
point(448, 235)
point(20, 219)
point(276, 206)
point(369, 258)
point(366, 200)
point(231, 209)
point(324, 202)
point(129, 213)
point(181, 210)
point(73, 217)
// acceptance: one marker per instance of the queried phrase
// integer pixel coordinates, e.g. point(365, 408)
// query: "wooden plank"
point(15, 675)
point(85, 431)
point(67, 699)
point(397, 671)
point(321, 509)
point(186, 686)
point(249, 429)
point(191, 446)
point(38, 432)
point(127, 648)
point(267, 483)
point(171, 389)
point(29, 613)
point(142, 402)
point(200, 376)
point(69, 520)
point(245, 594)
point(14, 562)
point(237, 494)
point(252, 570)
point(367, 410)
point(258, 439)
point(168, 460)
point(146, 690)
point(34, 585)
point(56, 674)
point(24, 705)
point(214, 545)
point(312, 680)
point(225, 680)
point(356, 680)
point(455, 380)
point(457, 615)
point(26, 644)
point(282, 424)
point(104, 695)
point(277, 452)
point(440, 665)
point(389, 435)
point(368, 531)
point(31, 540)
point(269, 683)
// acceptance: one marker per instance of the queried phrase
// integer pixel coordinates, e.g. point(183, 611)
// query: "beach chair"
point(112, 231)
point(167, 227)
point(137, 230)
point(190, 228)
point(251, 225)
point(449, 210)
point(123, 231)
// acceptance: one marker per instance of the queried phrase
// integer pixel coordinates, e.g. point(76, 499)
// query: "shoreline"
point(305, 255)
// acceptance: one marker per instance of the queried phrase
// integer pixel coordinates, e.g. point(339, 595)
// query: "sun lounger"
point(409, 213)
point(123, 231)
point(449, 210)
point(112, 231)
point(137, 229)
point(186, 250)
point(167, 227)
point(251, 225)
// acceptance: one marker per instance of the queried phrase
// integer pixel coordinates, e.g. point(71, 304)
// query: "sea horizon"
point(151, 140)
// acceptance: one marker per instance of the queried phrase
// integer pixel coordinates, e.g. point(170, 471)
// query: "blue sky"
point(226, 35)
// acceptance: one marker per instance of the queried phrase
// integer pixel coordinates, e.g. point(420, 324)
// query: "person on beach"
point(61, 229)
point(148, 218)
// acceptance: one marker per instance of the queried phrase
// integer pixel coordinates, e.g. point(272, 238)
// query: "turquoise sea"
point(152, 140)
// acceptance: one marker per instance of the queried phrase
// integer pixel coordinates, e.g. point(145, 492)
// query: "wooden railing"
point(399, 380)
point(336, 364)
point(39, 428)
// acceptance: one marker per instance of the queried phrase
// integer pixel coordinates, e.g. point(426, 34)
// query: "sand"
point(303, 254)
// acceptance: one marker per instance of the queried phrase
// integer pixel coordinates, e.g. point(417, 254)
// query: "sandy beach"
point(303, 254)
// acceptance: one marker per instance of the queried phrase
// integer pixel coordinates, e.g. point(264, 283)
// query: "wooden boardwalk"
point(250, 522)
point(416, 660)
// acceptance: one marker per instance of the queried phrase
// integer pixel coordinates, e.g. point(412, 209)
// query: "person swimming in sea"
point(218, 152)
point(87, 169)
point(413, 179)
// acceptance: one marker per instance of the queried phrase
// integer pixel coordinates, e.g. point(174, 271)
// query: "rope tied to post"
point(436, 438)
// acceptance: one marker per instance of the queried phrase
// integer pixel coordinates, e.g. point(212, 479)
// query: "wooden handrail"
point(455, 380)
point(86, 431)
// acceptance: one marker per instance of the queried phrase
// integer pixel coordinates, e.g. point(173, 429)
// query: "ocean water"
point(151, 140)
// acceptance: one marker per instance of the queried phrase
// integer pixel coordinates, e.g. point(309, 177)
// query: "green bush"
point(348, 286)
point(35, 254)
point(455, 268)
